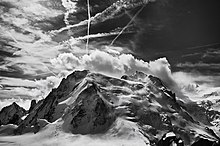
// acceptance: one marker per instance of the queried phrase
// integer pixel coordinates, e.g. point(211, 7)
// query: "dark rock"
point(205, 142)
point(92, 103)
point(169, 139)
point(33, 104)
point(45, 109)
point(90, 115)
point(12, 114)
point(7, 129)
point(124, 77)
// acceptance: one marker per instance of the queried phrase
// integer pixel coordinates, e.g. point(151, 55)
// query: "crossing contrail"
point(127, 25)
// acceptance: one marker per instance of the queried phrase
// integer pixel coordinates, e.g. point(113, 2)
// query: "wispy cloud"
point(16, 82)
point(15, 88)
point(199, 64)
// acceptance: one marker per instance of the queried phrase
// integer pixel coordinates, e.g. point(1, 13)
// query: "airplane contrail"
point(88, 27)
point(127, 25)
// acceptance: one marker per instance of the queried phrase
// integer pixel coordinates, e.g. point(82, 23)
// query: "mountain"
point(137, 109)
point(11, 114)
point(33, 104)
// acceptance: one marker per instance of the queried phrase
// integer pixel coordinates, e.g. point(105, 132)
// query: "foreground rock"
point(205, 142)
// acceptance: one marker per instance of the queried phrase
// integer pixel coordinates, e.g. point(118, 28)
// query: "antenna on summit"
point(88, 27)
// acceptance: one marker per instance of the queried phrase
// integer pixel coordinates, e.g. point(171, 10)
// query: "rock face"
point(205, 142)
point(12, 114)
point(90, 114)
point(33, 104)
point(49, 109)
point(170, 139)
point(92, 103)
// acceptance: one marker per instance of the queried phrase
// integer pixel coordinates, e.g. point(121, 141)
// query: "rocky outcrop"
point(49, 109)
point(170, 139)
point(90, 113)
point(12, 114)
point(205, 142)
point(33, 104)
point(7, 129)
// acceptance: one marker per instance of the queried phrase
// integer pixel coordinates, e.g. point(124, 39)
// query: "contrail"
point(201, 46)
point(88, 28)
point(127, 25)
point(99, 35)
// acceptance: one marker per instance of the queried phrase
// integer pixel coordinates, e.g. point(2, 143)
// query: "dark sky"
point(178, 28)
point(184, 31)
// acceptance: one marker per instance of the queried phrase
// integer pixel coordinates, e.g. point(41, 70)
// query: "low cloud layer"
point(112, 64)
point(115, 65)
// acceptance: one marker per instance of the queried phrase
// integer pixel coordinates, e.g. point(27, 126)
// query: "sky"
point(42, 41)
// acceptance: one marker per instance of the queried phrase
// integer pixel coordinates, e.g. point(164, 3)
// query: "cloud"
point(70, 7)
point(34, 7)
point(110, 12)
point(16, 82)
point(24, 89)
point(114, 64)
point(19, 26)
point(161, 68)
point(211, 53)
point(20, 93)
point(66, 60)
point(99, 61)
point(46, 85)
point(117, 64)
point(194, 84)
point(18, 20)
point(187, 81)
point(199, 64)
point(207, 68)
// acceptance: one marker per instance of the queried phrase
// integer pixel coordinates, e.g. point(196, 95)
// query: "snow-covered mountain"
point(131, 110)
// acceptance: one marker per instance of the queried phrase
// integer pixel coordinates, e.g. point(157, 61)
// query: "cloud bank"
point(115, 65)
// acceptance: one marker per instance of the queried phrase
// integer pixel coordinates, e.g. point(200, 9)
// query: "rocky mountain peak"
point(33, 104)
point(12, 114)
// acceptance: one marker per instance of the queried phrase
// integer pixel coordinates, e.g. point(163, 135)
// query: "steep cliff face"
point(48, 108)
point(33, 104)
point(11, 114)
point(89, 114)
point(93, 103)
